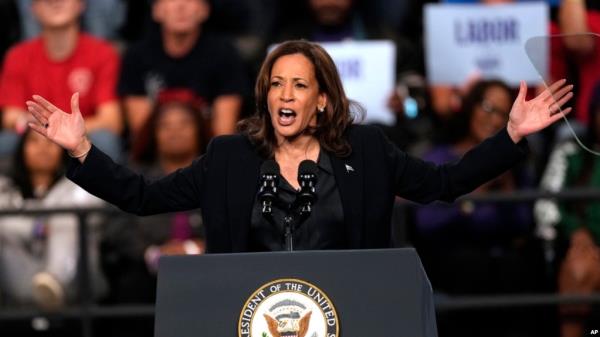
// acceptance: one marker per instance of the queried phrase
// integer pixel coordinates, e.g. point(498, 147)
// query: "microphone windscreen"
point(269, 167)
point(308, 167)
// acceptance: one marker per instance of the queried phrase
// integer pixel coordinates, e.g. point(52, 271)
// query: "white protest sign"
point(466, 39)
point(368, 71)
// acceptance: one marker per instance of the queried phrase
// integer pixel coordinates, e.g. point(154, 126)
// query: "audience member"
point(183, 56)
point(172, 138)
point(577, 21)
point(480, 247)
point(61, 61)
point(575, 225)
point(461, 244)
point(39, 253)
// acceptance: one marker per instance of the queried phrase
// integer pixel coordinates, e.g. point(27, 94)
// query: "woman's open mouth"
point(286, 117)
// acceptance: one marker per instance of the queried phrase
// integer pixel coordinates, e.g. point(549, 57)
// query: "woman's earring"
point(321, 109)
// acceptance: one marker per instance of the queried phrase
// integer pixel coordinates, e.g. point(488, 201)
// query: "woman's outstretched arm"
point(99, 175)
point(425, 182)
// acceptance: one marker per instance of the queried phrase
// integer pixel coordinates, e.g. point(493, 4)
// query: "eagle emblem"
point(288, 318)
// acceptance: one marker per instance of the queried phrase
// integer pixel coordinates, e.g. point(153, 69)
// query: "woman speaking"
point(302, 113)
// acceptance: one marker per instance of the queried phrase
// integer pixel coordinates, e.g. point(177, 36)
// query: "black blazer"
point(224, 183)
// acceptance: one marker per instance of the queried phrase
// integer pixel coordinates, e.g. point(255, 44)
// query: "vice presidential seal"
point(288, 308)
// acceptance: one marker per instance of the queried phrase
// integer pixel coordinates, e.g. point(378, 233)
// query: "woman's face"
point(176, 132)
point(40, 154)
point(293, 97)
point(491, 114)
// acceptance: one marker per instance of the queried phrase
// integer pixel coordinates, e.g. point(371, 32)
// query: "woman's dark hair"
point(331, 123)
point(475, 97)
point(145, 146)
point(20, 173)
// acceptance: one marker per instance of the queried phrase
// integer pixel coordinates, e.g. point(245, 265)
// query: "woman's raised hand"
point(527, 117)
point(64, 129)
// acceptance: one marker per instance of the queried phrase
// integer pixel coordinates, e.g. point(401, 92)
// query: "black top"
point(225, 180)
point(211, 69)
point(321, 230)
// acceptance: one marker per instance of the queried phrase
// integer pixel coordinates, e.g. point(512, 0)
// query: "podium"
point(350, 293)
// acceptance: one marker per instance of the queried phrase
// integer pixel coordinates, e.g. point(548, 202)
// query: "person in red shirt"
point(580, 22)
point(58, 63)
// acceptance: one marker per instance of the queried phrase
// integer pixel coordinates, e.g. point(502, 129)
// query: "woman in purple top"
point(468, 234)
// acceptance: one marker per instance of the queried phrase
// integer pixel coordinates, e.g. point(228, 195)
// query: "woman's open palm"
point(65, 129)
point(527, 117)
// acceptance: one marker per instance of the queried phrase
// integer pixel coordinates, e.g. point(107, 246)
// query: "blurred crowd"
point(158, 79)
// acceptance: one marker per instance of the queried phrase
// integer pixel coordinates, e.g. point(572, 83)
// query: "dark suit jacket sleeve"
point(425, 182)
point(132, 192)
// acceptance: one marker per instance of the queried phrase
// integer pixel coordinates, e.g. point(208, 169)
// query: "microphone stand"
point(288, 220)
point(292, 220)
point(289, 224)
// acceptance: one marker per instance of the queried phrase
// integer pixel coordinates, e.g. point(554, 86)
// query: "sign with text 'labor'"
point(368, 71)
point(488, 40)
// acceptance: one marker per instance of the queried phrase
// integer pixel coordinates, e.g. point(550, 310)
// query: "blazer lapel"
point(349, 176)
point(243, 177)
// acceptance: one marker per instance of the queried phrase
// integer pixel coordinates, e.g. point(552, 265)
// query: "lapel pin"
point(349, 168)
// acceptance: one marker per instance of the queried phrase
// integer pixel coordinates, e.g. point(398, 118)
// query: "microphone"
point(307, 177)
point(269, 179)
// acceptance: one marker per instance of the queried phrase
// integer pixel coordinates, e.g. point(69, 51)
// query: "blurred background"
point(159, 78)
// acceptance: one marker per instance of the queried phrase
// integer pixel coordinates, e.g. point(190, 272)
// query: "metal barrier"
point(86, 311)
